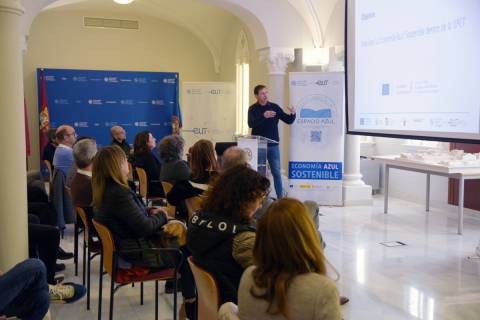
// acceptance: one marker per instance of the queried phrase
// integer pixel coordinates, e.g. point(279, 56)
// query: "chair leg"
point(75, 249)
point(112, 286)
point(84, 262)
point(100, 287)
point(141, 293)
point(156, 300)
point(88, 277)
point(175, 297)
point(112, 294)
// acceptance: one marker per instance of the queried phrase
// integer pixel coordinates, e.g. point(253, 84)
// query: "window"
point(243, 84)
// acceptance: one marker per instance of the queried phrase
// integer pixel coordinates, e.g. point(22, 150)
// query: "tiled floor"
point(428, 278)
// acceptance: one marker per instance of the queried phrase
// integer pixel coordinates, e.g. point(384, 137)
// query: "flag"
point(44, 116)
point(176, 114)
point(27, 131)
point(176, 120)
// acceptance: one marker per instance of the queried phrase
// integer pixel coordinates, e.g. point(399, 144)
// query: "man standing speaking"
point(263, 118)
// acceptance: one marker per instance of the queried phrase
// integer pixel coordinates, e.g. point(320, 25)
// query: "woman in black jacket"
point(143, 158)
point(219, 235)
point(133, 226)
point(203, 167)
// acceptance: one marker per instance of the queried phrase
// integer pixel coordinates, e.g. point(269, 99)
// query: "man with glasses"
point(63, 159)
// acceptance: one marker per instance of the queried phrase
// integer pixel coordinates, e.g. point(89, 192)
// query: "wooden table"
point(462, 174)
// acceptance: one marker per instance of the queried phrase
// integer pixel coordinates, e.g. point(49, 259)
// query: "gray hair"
point(83, 152)
point(232, 157)
point(171, 148)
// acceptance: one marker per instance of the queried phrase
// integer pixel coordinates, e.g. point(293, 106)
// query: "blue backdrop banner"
point(92, 101)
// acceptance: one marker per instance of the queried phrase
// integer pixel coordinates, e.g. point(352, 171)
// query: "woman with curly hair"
point(219, 236)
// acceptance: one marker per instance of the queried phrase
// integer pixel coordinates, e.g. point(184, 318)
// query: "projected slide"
point(414, 68)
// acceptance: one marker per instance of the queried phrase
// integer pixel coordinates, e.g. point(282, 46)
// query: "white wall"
point(258, 70)
point(59, 40)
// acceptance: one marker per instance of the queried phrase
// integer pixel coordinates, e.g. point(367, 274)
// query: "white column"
point(355, 191)
point(13, 191)
point(277, 60)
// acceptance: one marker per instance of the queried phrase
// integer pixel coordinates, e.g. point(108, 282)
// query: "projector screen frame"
point(385, 135)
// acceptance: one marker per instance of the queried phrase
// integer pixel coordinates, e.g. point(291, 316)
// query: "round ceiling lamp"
point(123, 1)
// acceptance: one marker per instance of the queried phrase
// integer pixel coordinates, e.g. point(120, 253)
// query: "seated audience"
point(232, 157)
point(81, 185)
point(219, 235)
point(133, 226)
point(171, 151)
point(119, 138)
point(63, 158)
point(24, 291)
point(40, 206)
point(203, 167)
point(288, 279)
point(143, 158)
point(73, 168)
point(43, 242)
point(49, 149)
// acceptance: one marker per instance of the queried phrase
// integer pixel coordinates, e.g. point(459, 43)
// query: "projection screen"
point(413, 68)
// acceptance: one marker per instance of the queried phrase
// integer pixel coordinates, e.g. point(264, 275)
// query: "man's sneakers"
point(63, 255)
point(66, 293)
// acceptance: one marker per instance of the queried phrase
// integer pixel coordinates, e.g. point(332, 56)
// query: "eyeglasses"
point(264, 196)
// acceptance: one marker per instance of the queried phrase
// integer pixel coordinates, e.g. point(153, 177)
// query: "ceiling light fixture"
point(123, 1)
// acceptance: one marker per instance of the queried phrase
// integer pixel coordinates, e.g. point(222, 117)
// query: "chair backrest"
point(49, 167)
point(130, 172)
point(83, 216)
point(142, 178)
point(208, 292)
point(193, 204)
point(167, 187)
point(108, 246)
point(61, 200)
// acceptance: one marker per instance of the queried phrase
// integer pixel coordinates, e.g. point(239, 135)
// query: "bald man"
point(232, 157)
point(63, 158)
point(119, 138)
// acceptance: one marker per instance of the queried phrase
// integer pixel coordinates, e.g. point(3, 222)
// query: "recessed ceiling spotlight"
point(123, 1)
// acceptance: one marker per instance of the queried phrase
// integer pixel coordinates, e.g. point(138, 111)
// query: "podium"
point(256, 149)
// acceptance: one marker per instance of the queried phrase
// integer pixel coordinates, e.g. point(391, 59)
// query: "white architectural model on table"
point(451, 159)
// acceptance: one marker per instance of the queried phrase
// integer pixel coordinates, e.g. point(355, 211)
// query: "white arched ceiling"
point(316, 14)
point(272, 23)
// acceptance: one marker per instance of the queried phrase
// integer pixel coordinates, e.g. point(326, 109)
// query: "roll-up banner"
point(317, 137)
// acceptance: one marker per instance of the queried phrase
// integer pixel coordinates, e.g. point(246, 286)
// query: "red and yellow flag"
point(44, 116)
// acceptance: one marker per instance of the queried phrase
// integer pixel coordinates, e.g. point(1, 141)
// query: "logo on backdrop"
point(318, 110)
point(249, 153)
point(94, 100)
